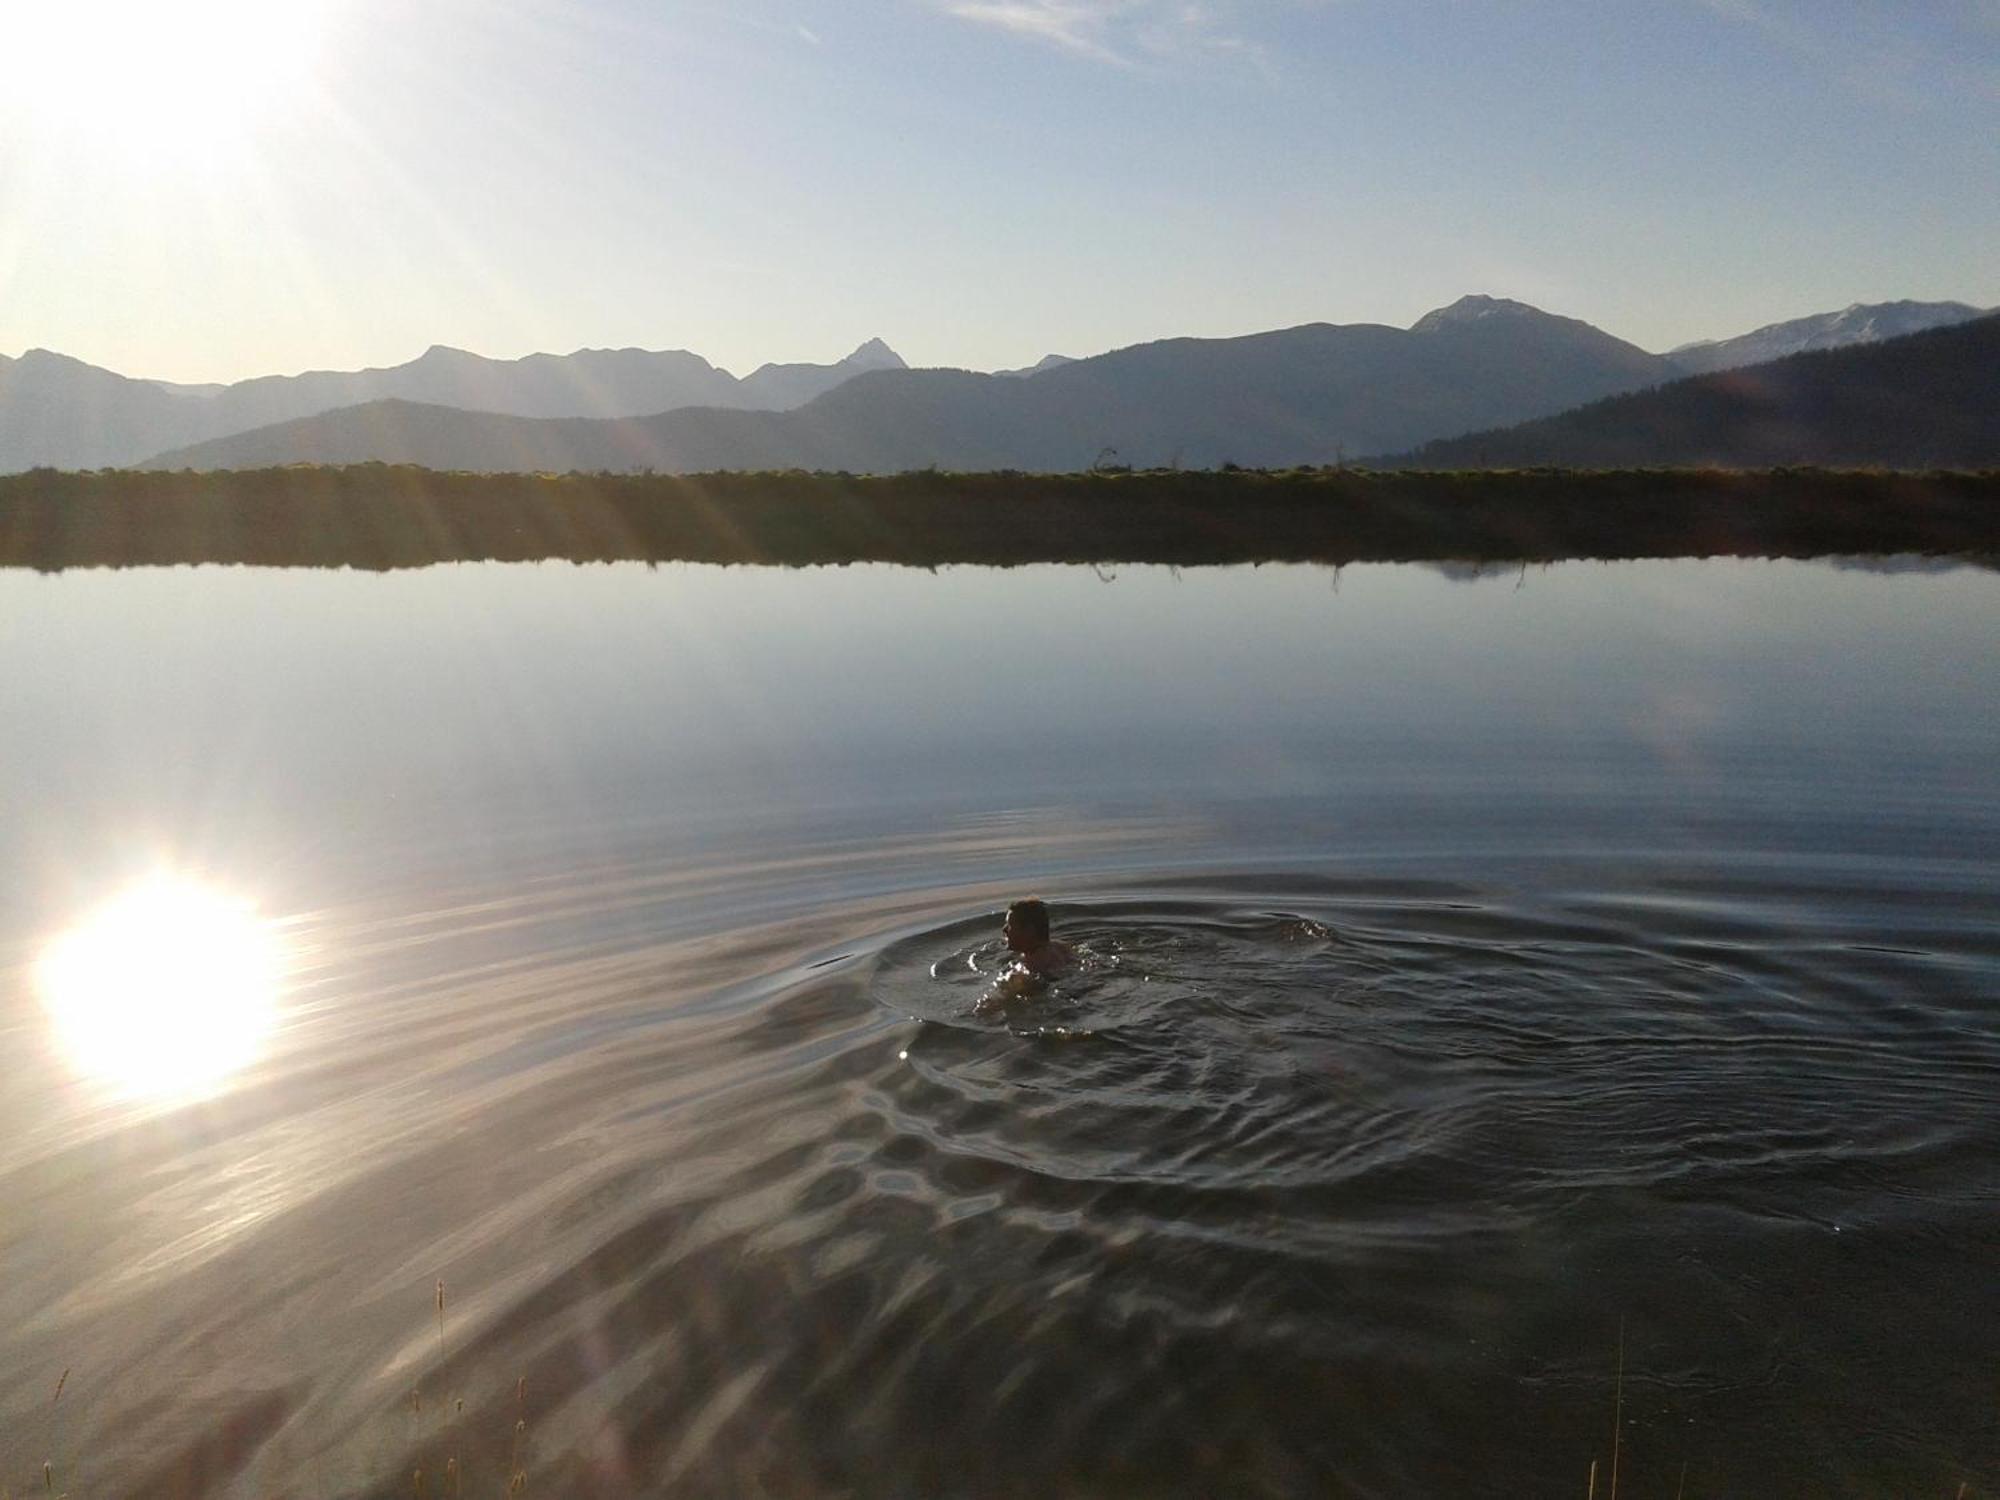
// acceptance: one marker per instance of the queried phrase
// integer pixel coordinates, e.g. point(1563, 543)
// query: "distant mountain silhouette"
point(588, 383)
point(61, 412)
point(1311, 394)
point(1303, 395)
point(1046, 362)
point(1863, 323)
point(65, 414)
point(1926, 400)
point(786, 387)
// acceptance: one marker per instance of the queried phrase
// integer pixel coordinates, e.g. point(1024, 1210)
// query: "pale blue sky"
point(977, 181)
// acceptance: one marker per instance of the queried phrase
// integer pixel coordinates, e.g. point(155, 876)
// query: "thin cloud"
point(1082, 28)
point(792, 30)
point(1126, 33)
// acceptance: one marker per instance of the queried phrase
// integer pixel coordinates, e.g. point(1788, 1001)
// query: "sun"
point(165, 991)
point(156, 78)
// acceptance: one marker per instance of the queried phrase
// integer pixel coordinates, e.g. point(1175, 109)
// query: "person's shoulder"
point(1052, 956)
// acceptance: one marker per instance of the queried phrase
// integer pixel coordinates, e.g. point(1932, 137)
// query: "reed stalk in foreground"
point(1617, 1408)
point(450, 1482)
point(517, 1477)
point(55, 1435)
point(1618, 1425)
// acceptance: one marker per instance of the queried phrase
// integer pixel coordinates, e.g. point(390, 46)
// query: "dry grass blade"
point(1618, 1410)
point(445, 1409)
point(55, 1431)
point(517, 1480)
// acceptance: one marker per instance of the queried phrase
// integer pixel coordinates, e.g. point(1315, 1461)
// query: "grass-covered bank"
point(378, 516)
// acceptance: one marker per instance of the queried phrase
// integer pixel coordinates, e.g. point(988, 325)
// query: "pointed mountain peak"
point(1474, 309)
point(876, 355)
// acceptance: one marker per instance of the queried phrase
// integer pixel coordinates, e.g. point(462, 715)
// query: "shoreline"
point(379, 517)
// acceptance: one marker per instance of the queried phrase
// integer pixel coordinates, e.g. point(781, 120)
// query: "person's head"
point(1027, 926)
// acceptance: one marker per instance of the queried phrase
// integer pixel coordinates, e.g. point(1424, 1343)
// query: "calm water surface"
point(1479, 971)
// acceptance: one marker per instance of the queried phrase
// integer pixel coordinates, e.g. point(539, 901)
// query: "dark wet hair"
point(1031, 916)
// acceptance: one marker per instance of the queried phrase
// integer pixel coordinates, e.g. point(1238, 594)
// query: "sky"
point(205, 190)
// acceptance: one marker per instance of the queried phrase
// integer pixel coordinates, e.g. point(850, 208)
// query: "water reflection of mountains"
point(375, 516)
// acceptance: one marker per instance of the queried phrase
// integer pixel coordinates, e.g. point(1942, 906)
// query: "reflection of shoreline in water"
point(377, 516)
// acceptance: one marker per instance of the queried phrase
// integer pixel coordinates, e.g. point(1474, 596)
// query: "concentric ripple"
point(1293, 1185)
point(1345, 1192)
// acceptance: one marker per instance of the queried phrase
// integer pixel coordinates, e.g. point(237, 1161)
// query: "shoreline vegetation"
point(378, 517)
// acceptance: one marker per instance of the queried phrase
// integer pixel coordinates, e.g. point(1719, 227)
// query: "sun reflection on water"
point(164, 991)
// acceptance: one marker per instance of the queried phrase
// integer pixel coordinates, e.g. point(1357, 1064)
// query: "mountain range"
point(63, 413)
point(1859, 324)
point(1313, 394)
point(1924, 400)
point(1304, 395)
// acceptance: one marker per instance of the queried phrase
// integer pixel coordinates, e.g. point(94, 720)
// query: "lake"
point(1527, 1018)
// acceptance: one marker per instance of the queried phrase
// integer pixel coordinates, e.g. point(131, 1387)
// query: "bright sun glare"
point(165, 991)
point(157, 77)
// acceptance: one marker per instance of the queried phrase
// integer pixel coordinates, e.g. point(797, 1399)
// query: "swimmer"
point(1037, 956)
point(1026, 930)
